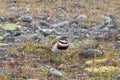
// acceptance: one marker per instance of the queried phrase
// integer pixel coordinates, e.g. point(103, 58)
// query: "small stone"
point(44, 23)
point(31, 79)
point(8, 37)
point(47, 32)
point(60, 24)
point(13, 17)
point(16, 33)
point(41, 17)
point(1, 38)
point(81, 17)
point(110, 23)
point(55, 72)
point(2, 19)
point(116, 45)
point(90, 53)
point(1, 70)
point(117, 77)
point(25, 18)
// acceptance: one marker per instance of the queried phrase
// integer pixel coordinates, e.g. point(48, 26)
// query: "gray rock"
point(117, 77)
point(108, 17)
point(30, 79)
point(42, 17)
point(116, 45)
point(47, 32)
point(16, 33)
point(118, 37)
point(13, 17)
point(55, 72)
point(2, 19)
point(8, 37)
point(97, 27)
point(110, 21)
point(90, 53)
point(112, 24)
point(37, 37)
point(44, 23)
point(63, 23)
point(1, 38)
point(25, 18)
point(79, 19)
point(13, 8)
point(1, 70)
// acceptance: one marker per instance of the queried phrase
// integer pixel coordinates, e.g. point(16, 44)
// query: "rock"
point(1, 70)
point(13, 8)
point(79, 19)
point(11, 60)
point(2, 19)
point(13, 17)
point(37, 37)
point(25, 18)
point(110, 23)
point(47, 32)
point(62, 30)
point(1, 38)
point(8, 37)
point(44, 23)
point(42, 17)
point(16, 33)
point(3, 56)
point(90, 53)
point(55, 72)
point(31, 79)
point(60, 24)
point(97, 27)
point(117, 77)
point(116, 45)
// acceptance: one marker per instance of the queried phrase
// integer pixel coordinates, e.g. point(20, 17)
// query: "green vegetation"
point(11, 27)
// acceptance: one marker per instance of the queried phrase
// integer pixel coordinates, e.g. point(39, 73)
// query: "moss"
point(95, 61)
point(10, 26)
point(3, 44)
point(102, 69)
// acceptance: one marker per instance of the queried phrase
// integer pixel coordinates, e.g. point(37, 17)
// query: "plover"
point(60, 44)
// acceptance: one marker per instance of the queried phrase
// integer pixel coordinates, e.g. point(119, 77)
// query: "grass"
point(68, 64)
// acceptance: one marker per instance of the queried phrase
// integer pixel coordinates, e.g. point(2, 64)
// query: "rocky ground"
point(28, 27)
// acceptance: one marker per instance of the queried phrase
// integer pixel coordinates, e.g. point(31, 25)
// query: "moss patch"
point(10, 27)
point(3, 44)
point(95, 61)
point(102, 69)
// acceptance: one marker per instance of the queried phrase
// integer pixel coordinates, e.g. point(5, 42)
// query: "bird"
point(60, 44)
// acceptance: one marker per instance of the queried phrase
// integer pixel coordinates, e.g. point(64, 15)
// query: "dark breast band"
point(62, 47)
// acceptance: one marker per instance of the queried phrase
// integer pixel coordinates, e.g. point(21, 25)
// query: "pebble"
point(26, 18)
point(55, 72)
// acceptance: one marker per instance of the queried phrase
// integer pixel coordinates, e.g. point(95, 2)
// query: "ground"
point(25, 43)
